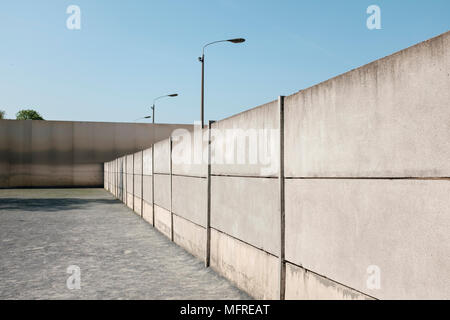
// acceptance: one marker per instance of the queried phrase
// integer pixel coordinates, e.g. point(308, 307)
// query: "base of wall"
point(162, 220)
point(147, 212)
point(138, 206)
point(130, 199)
point(302, 284)
point(189, 236)
point(250, 269)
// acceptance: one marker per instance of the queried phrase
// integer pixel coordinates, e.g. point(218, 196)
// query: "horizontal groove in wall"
point(337, 282)
point(161, 207)
point(162, 174)
point(368, 178)
point(249, 244)
point(181, 217)
point(242, 176)
point(188, 176)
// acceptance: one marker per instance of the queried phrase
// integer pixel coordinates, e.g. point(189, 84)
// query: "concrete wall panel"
point(129, 164)
point(304, 285)
point(190, 236)
point(147, 189)
point(138, 206)
point(190, 152)
point(339, 228)
point(386, 119)
point(189, 198)
point(147, 162)
point(70, 154)
point(162, 156)
point(163, 220)
point(138, 163)
point(147, 212)
point(162, 190)
point(247, 209)
point(250, 269)
point(247, 143)
point(130, 201)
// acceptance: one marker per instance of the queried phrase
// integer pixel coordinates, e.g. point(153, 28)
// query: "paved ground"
point(43, 232)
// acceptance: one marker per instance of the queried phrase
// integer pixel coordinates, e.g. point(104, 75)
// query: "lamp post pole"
point(202, 60)
point(153, 154)
point(154, 101)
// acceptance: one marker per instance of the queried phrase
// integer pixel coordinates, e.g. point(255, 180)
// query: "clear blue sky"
point(128, 52)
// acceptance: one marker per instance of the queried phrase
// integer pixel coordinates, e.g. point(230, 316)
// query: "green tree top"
point(2, 114)
point(28, 115)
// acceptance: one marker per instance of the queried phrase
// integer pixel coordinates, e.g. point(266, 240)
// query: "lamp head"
point(237, 40)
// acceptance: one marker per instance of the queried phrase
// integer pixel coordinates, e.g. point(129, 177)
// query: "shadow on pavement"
point(50, 204)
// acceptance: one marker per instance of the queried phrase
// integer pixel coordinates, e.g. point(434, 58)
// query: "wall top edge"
point(371, 64)
point(100, 122)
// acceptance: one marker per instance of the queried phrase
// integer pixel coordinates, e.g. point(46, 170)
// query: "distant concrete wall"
point(68, 154)
point(353, 203)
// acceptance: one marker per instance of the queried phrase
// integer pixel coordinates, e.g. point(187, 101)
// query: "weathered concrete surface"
point(338, 228)
point(251, 269)
point(147, 212)
point(189, 199)
point(147, 162)
point(147, 189)
point(190, 152)
point(64, 153)
point(247, 209)
point(242, 154)
point(162, 157)
point(42, 232)
point(163, 221)
point(138, 174)
point(190, 236)
point(386, 119)
point(162, 191)
point(304, 285)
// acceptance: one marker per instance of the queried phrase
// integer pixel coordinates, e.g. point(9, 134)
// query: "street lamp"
point(154, 100)
point(147, 117)
point(202, 60)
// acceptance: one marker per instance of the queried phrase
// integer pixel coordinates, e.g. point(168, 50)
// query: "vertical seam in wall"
point(153, 184)
point(282, 265)
point(126, 180)
point(208, 199)
point(142, 183)
point(133, 182)
point(171, 211)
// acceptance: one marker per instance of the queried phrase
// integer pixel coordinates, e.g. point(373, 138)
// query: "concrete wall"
point(68, 154)
point(354, 202)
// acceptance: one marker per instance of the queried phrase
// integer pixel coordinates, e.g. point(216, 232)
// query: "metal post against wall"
point(153, 184)
point(133, 182)
point(171, 212)
point(208, 197)
point(116, 168)
point(142, 184)
point(282, 264)
point(126, 181)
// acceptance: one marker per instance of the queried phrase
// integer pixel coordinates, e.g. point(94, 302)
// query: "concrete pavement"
point(45, 231)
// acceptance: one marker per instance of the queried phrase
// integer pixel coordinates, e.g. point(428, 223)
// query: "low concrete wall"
point(350, 199)
point(68, 154)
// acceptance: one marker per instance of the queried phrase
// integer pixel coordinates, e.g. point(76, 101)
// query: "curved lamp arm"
point(236, 40)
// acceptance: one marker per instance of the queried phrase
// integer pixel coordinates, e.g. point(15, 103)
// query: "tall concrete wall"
point(350, 199)
point(68, 154)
